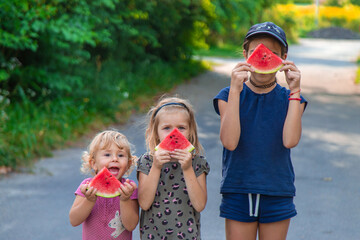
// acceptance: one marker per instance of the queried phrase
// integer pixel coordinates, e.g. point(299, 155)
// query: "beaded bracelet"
point(297, 99)
point(294, 92)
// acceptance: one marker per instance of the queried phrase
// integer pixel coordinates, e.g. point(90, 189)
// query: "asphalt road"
point(35, 205)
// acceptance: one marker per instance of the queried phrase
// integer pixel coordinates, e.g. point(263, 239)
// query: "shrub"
point(64, 64)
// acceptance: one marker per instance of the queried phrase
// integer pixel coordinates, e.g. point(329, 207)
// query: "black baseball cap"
point(268, 28)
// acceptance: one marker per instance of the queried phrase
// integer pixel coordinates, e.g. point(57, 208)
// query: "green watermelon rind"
point(189, 148)
point(103, 194)
point(269, 71)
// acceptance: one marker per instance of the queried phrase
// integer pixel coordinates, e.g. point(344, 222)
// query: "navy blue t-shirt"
point(260, 163)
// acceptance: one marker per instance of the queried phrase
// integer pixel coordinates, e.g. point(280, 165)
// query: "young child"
point(260, 123)
point(107, 218)
point(172, 185)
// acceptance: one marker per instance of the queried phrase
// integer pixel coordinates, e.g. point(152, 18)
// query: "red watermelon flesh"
point(264, 60)
point(107, 184)
point(175, 140)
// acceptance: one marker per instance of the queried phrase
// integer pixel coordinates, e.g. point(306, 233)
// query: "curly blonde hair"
point(151, 134)
point(104, 140)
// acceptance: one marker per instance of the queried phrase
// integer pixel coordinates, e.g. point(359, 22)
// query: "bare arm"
point(196, 188)
point(129, 207)
point(292, 126)
point(82, 206)
point(129, 213)
point(230, 129)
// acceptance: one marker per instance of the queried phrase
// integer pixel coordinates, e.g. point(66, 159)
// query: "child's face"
point(173, 119)
point(113, 158)
point(272, 45)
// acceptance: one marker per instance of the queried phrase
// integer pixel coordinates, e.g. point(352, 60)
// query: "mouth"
point(114, 171)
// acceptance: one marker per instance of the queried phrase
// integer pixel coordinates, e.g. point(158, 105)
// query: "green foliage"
point(66, 63)
point(355, 2)
point(235, 17)
point(304, 1)
point(336, 3)
point(223, 51)
point(341, 3)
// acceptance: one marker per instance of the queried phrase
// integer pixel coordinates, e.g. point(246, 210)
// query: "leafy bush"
point(65, 63)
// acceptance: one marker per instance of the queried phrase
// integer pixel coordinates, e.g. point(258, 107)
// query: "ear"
point(92, 165)
point(245, 54)
point(284, 56)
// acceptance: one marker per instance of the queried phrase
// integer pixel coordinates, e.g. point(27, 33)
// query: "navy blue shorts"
point(256, 208)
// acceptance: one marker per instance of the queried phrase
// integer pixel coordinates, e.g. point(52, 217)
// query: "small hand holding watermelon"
point(126, 190)
point(106, 184)
point(89, 192)
point(183, 157)
point(292, 75)
point(264, 60)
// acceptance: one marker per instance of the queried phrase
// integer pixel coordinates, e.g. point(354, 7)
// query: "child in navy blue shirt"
point(260, 123)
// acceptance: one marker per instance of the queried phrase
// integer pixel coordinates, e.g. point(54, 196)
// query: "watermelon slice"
point(175, 140)
point(106, 184)
point(264, 60)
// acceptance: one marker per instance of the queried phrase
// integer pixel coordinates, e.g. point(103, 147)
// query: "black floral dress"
point(171, 215)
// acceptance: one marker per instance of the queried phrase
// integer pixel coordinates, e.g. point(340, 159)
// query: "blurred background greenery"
point(70, 66)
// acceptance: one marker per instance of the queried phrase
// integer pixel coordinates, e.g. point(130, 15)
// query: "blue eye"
point(107, 154)
point(120, 155)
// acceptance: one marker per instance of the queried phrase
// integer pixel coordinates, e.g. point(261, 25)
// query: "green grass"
point(224, 51)
point(31, 130)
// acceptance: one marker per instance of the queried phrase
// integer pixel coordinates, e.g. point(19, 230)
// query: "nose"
point(114, 158)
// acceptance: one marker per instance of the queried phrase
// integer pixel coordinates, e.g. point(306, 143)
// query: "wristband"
point(294, 92)
point(297, 99)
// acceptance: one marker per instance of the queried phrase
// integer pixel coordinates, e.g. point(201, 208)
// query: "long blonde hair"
point(177, 104)
point(104, 140)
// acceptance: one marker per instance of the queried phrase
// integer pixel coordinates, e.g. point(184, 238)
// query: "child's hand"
point(184, 158)
point(89, 192)
point(126, 190)
point(239, 75)
point(161, 157)
point(292, 75)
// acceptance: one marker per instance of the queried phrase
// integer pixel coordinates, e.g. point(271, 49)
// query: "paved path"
point(327, 160)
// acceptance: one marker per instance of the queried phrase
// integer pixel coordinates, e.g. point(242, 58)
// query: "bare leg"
point(274, 231)
point(240, 230)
